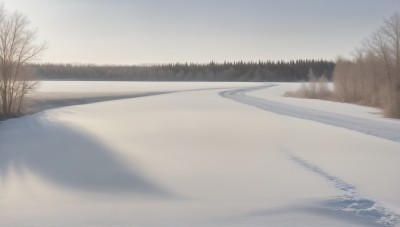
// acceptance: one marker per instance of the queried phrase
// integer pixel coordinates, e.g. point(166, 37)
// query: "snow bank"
point(389, 129)
point(276, 93)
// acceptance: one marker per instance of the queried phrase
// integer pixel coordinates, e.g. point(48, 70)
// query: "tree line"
point(295, 70)
point(370, 77)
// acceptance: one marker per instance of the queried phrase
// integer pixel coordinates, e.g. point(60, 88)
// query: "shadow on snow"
point(68, 157)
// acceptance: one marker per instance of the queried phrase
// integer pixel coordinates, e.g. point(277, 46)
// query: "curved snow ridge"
point(380, 129)
point(351, 201)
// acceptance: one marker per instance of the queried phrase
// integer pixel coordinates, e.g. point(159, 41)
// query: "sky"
point(168, 31)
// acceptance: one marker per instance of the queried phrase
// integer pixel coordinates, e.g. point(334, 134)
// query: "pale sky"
point(165, 31)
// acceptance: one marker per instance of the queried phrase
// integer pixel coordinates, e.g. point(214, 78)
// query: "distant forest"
point(235, 71)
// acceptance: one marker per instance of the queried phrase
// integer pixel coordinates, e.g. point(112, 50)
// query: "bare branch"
point(18, 47)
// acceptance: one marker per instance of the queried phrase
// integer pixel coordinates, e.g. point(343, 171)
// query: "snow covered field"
point(128, 87)
point(54, 94)
point(211, 155)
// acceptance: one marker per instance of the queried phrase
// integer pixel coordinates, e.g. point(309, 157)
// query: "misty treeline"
point(227, 71)
point(370, 77)
point(18, 47)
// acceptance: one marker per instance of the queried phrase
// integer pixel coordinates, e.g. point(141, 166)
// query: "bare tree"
point(18, 47)
point(342, 81)
point(359, 82)
point(391, 30)
point(374, 80)
point(371, 77)
point(385, 45)
point(316, 88)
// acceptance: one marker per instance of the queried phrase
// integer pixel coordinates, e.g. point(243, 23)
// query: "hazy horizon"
point(156, 32)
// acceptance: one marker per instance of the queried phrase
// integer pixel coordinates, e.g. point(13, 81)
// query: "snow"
point(276, 93)
point(125, 87)
point(327, 113)
point(191, 158)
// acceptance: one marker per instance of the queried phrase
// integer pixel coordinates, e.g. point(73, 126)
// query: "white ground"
point(126, 87)
point(195, 158)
